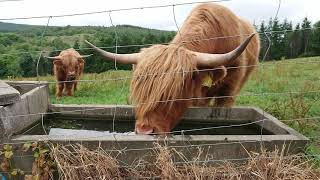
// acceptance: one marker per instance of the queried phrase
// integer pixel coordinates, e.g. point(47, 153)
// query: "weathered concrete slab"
point(18, 116)
point(122, 112)
point(134, 147)
point(126, 112)
point(26, 86)
point(82, 132)
point(272, 123)
point(234, 115)
point(8, 94)
point(218, 148)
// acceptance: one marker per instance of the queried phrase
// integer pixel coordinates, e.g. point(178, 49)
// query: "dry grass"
point(78, 162)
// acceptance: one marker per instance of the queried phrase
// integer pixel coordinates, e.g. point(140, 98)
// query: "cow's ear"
point(219, 73)
point(81, 61)
point(57, 62)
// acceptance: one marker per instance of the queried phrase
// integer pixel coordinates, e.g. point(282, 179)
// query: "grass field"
point(287, 89)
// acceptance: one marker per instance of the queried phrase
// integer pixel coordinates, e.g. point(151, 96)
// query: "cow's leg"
point(69, 92)
point(59, 90)
point(69, 89)
point(75, 85)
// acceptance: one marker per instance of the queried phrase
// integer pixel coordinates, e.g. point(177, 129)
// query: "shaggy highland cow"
point(67, 68)
point(170, 78)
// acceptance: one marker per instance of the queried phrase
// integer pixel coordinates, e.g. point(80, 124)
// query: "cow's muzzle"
point(146, 131)
point(71, 76)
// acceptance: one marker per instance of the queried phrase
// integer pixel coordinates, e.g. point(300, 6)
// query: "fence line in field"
point(173, 100)
point(168, 73)
point(3, 1)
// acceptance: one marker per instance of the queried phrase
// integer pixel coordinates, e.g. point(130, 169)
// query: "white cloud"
point(160, 18)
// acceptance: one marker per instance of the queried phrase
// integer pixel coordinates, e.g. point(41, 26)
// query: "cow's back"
point(212, 28)
point(69, 52)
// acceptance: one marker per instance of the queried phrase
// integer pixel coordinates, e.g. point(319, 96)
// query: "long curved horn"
point(55, 57)
point(121, 58)
point(212, 60)
point(84, 56)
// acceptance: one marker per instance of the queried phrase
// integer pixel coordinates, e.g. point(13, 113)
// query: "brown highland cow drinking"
point(170, 78)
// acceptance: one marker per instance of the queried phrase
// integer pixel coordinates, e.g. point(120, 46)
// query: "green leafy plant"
point(7, 165)
point(42, 166)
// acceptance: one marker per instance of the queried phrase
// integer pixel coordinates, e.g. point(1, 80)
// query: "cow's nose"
point(144, 131)
point(72, 73)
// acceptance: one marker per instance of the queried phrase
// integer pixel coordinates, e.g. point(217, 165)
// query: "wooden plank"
point(8, 94)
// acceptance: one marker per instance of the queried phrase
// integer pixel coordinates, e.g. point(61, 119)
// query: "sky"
point(157, 18)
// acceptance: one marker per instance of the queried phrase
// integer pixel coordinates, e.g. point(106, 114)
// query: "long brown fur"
point(211, 21)
point(164, 73)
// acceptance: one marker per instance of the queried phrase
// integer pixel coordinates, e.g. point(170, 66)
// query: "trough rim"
point(291, 136)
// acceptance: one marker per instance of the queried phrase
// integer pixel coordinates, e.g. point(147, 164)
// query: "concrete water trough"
point(32, 99)
point(222, 133)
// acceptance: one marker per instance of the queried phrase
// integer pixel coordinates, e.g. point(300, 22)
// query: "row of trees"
point(279, 40)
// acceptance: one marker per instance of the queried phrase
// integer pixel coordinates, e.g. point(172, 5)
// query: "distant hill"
point(11, 27)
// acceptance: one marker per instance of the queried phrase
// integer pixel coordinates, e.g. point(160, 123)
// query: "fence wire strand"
point(124, 149)
point(111, 10)
point(40, 55)
point(170, 100)
point(165, 73)
point(3, 1)
point(67, 137)
point(175, 21)
point(116, 40)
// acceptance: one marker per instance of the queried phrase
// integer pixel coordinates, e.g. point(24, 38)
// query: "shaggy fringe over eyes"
point(173, 79)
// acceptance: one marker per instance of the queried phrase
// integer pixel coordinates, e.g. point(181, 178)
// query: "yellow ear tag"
point(211, 103)
point(207, 81)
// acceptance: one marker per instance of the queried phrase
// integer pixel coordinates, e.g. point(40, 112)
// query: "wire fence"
point(180, 132)
point(172, 73)
point(169, 100)
point(150, 44)
point(3, 1)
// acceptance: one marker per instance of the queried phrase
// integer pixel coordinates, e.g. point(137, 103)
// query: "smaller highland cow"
point(67, 67)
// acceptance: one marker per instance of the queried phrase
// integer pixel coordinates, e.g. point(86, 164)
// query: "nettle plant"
point(42, 166)
point(7, 166)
